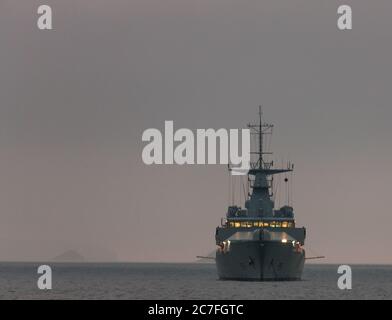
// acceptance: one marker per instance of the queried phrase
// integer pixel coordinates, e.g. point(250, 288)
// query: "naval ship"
point(260, 242)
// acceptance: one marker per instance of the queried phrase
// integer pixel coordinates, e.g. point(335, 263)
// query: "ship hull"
point(260, 261)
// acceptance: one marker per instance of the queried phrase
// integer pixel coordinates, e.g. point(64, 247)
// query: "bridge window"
point(261, 224)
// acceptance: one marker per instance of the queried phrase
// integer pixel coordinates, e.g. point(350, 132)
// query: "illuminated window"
point(284, 224)
point(266, 224)
point(278, 224)
point(272, 224)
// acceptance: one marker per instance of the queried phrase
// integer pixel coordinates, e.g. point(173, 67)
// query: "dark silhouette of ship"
point(260, 242)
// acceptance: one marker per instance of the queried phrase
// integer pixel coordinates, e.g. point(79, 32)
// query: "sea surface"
point(184, 281)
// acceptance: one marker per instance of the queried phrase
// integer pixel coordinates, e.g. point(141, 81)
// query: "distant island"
point(69, 256)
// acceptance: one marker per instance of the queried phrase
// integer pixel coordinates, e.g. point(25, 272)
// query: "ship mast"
point(260, 138)
point(260, 176)
point(260, 130)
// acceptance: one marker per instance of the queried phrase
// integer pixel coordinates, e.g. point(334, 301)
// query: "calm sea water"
point(184, 281)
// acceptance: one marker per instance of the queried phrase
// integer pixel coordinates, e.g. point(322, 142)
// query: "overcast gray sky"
point(75, 101)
